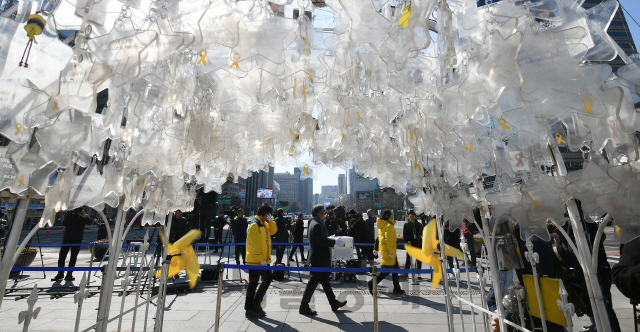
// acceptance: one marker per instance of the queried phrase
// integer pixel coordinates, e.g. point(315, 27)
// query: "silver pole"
point(374, 271)
point(219, 300)
point(599, 311)
point(493, 266)
point(596, 242)
point(162, 288)
point(143, 252)
point(466, 249)
point(110, 273)
point(532, 257)
point(445, 274)
point(12, 242)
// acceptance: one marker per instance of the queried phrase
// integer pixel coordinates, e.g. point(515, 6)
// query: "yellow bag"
point(550, 294)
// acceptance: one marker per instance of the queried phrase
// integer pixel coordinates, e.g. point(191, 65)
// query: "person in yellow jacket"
point(259, 253)
point(387, 239)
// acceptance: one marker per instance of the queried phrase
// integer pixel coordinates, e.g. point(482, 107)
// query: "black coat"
point(282, 234)
point(412, 232)
point(371, 225)
point(320, 244)
point(626, 274)
point(219, 222)
point(298, 231)
point(74, 227)
point(239, 227)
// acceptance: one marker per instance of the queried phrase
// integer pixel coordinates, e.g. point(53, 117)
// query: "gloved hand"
point(263, 263)
point(392, 255)
point(339, 242)
point(375, 253)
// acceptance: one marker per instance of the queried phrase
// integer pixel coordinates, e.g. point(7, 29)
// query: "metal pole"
point(596, 242)
point(162, 288)
point(375, 298)
point(219, 300)
point(532, 257)
point(12, 242)
point(493, 266)
point(109, 277)
point(445, 275)
point(599, 311)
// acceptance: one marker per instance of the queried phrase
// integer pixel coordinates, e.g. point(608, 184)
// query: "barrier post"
point(375, 298)
point(219, 300)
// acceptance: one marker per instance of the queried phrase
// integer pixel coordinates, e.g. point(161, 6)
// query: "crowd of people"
point(376, 238)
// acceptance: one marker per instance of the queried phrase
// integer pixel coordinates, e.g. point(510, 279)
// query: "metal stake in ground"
point(219, 300)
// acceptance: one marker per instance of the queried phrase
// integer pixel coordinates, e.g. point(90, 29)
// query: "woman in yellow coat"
point(259, 253)
point(387, 247)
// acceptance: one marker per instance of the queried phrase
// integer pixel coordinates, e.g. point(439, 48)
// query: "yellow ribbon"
point(359, 117)
point(411, 134)
point(559, 139)
point(404, 19)
point(587, 97)
point(416, 165)
point(347, 126)
point(291, 151)
point(504, 125)
point(19, 128)
point(21, 181)
point(306, 50)
point(202, 60)
point(236, 58)
point(469, 147)
point(535, 202)
point(342, 137)
point(264, 167)
point(290, 131)
point(55, 105)
point(587, 108)
point(306, 169)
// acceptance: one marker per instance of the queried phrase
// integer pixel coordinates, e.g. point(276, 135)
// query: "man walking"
point(239, 227)
point(73, 223)
point(298, 237)
point(259, 253)
point(319, 256)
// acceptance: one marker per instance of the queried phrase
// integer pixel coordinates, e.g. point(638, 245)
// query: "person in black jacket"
point(412, 235)
point(218, 227)
point(206, 203)
point(298, 237)
point(282, 235)
point(73, 223)
point(626, 274)
point(359, 231)
point(319, 256)
point(239, 228)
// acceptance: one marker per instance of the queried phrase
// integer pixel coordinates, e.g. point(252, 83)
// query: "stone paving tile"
point(310, 327)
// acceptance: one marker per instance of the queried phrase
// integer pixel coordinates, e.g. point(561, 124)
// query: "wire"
point(638, 24)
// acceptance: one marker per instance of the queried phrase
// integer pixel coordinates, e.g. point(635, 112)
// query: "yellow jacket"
point(259, 241)
point(387, 241)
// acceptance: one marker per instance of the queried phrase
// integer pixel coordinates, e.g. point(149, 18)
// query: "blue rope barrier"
point(194, 245)
point(246, 267)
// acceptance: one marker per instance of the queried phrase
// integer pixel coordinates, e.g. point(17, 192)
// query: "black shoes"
point(251, 313)
point(307, 311)
point(258, 309)
point(337, 305)
point(398, 291)
point(58, 277)
point(370, 284)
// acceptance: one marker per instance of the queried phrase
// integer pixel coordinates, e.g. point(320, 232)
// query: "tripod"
point(228, 240)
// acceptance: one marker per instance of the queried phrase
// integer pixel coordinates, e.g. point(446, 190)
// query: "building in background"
point(262, 179)
point(289, 197)
point(619, 32)
point(356, 183)
point(342, 184)
point(329, 195)
point(306, 190)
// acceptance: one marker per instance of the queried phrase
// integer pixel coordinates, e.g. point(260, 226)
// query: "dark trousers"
point(472, 250)
point(293, 252)
point(218, 238)
point(604, 277)
point(63, 257)
point(280, 253)
point(394, 276)
point(321, 278)
point(241, 251)
point(205, 227)
point(407, 263)
point(254, 298)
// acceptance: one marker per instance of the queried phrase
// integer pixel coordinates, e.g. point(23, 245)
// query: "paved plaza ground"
point(421, 309)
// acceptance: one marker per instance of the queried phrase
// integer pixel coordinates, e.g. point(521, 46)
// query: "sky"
point(325, 176)
point(633, 8)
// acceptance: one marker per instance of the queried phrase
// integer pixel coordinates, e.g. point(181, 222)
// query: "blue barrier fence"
point(247, 267)
point(193, 245)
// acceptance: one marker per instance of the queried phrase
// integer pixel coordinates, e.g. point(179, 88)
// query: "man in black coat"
point(239, 227)
point(205, 203)
point(412, 235)
point(218, 228)
point(282, 235)
point(626, 274)
point(298, 237)
point(73, 223)
point(319, 256)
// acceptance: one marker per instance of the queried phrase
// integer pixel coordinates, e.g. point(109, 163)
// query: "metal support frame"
point(219, 299)
point(374, 272)
point(162, 288)
point(12, 242)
